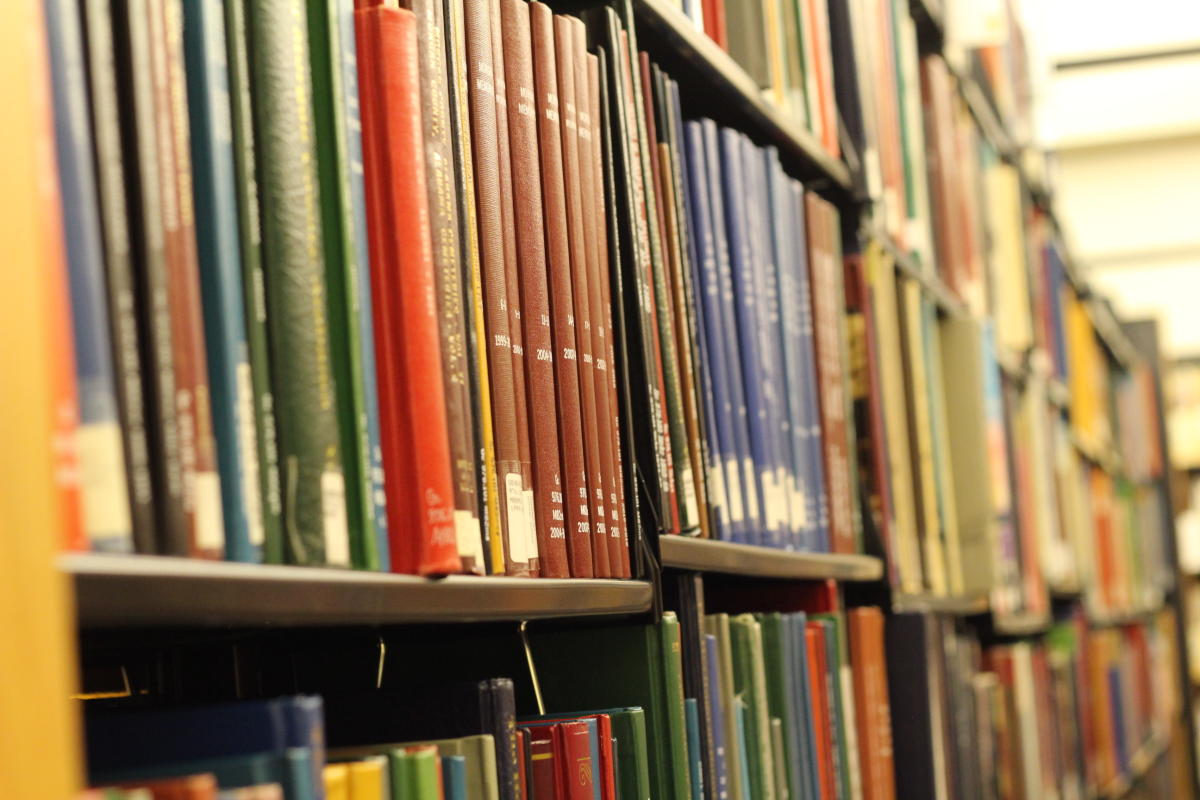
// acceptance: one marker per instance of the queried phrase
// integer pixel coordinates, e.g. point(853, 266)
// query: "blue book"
point(743, 750)
point(724, 467)
point(762, 257)
point(1117, 709)
point(104, 485)
point(691, 711)
point(746, 310)
point(360, 277)
point(126, 741)
point(790, 331)
point(1056, 278)
point(806, 738)
point(817, 498)
point(747, 481)
point(218, 249)
point(716, 718)
point(454, 777)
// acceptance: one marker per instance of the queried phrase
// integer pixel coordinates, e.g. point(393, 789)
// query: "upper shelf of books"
point(147, 591)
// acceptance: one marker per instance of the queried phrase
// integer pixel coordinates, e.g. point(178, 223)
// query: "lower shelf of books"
point(127, 591)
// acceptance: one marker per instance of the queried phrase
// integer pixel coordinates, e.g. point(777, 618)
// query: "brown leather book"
point(602, 316)
point(567, 56)
point(513, 525)
point(535, 295)
point(828, 303)
point(197, 448)
point(597, 271)
point(516, 325)
point(559, 263)
point(448, 272)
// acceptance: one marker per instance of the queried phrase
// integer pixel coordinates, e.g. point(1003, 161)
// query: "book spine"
point(686, 503)
point(591, 131)
point(724, 481)
point(359, 284)
point(208, 534)
point(575, 487)
point(623, 526)
point(512, 272)
point(512, 532)
point(423, 538)
point(106, 498)
point(684, 298)
point(570, 40)
point(747, 478)
point(139, 136)
point(221, 279)
point(339, 247)
point(483, 435)
point(253, 281)
point(676, 725)
point(535, 302)
point(119, 273)
point(314, 504)
point(448, 273)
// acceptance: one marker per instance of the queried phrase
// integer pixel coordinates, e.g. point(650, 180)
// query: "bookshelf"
point(145, 591)
point(965, 639)
point(729, 558)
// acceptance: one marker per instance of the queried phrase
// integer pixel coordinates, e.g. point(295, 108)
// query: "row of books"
point(797, 705)
point(1059, 717)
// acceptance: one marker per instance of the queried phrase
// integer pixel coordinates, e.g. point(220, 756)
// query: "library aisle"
point(597, 400)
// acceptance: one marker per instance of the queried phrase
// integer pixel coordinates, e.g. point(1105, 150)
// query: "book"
point(448, 274)
point(343, 235)
point(750, 682)
point(106, 496)
point(35, 494)
point(572, 481)
point(314, 498)
point(237, 64)
point(416, 446)
point(219, 258)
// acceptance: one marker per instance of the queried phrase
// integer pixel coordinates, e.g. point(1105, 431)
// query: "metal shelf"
point(956, 605)
point(153, 591)
point(1110, 619)
point(720, 75)
point(932, 285)
point(1022, 624)
point(708, 555)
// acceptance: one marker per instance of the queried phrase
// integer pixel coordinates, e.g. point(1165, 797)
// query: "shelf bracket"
point(533, 675)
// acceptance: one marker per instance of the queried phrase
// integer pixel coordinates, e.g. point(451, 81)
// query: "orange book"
point(819, 691)
point(871, 708)
point(39, 501)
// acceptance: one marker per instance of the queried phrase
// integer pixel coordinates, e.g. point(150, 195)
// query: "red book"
point(535, 294)
point(416, 449)
point(522, 756)
point(575, 478)
point(575, 766)
point(188, 787)
point(871, 706)
point(618, 529)
point(570, 46)
point(714, 22)
point(818, 689)
point(545, 752)
point(595, 361)
point(828, 304)
point(605, 771)
point(512, 271)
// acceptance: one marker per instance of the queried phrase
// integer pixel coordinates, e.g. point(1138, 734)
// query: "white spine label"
point(333, 509)
point(210, 526)
point(518, 526)
point(248, 450)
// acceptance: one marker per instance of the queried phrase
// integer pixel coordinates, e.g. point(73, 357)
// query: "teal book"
point(743, 726)
point(454, 777)
point(835, 657)
point(253, 282)
point(343, 272)
point(692, 711)
point(306, 407)
point(218, 249)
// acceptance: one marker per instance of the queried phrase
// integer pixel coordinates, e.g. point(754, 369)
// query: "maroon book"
point(535, 294)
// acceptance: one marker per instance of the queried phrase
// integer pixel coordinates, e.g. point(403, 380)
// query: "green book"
point(777, 670)
point(325, 18)
point(718, 626)
point(400, 769)
point(620, 666)
point(676, 708)
point(313, 483)
point(253, 282)
point(750, 681)
point(425, 781)
point(479, 752)
point(782, 792)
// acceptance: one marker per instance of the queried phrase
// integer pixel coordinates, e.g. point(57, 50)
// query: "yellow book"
point(882, 278)
point(369, 779)
point(337, 781)
point(39, 726)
